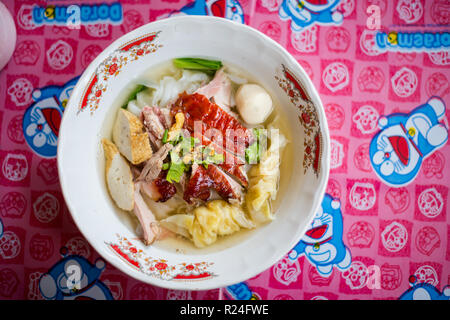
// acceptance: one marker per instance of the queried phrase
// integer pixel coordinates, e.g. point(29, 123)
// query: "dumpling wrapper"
point(206, 223)
point(264, 179)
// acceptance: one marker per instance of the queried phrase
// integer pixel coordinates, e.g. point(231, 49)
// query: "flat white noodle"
point(167, 90)
point(144, 98)
point(236, 79)
point(134, 108)
point(148, 83)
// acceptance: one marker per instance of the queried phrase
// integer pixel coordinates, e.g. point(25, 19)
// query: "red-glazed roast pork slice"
point(225, 186)
point(197, 108)
point(202, 180)
point(232, 163)
point(199, 185)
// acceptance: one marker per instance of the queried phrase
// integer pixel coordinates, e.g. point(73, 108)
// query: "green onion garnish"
point(197, 64)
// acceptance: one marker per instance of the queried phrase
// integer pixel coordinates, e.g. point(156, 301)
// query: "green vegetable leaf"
point(164, 138)
point(257, 132)
point(252, 153)
point(197, 64)
point(176, 168)
point(175, 172)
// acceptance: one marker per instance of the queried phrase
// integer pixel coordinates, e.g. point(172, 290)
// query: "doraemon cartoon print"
point(322, 243)
point(426, 291)
point(405, 140)
point(241, 291)
point(229, 9)
point(74, 278)
point(42, 119)
point(304, 13)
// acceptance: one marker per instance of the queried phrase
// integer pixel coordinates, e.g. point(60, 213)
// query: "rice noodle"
point(167, 90)
point(169, 87)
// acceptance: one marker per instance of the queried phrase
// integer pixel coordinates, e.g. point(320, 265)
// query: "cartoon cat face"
point(395, 152)
point(321, 227)
point(42, 119)
point(405, 140)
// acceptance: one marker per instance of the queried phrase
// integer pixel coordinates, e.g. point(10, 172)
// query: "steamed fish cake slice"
point(130, 137)
point(125, 193)
point(119, 178)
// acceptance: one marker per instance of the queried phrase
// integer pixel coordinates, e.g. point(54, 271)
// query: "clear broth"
point(179, 244)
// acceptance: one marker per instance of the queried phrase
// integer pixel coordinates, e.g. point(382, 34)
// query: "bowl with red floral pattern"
point(193, 153)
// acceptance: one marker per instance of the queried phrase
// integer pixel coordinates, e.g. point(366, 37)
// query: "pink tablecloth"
point(393, 237)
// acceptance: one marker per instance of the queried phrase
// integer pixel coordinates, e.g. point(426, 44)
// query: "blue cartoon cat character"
point(405, 140)
point(229, 9)
point(74, 278)
point(322, 243)
point(42, 119)
point(426, 291)
point(304, 13)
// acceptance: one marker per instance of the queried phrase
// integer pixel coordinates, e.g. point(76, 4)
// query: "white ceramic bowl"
point(93, 103)
point(8, 35)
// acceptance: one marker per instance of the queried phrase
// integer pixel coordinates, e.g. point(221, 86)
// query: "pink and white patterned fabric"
point(392, 236)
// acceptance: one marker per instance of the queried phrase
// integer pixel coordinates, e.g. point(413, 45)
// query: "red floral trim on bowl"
point(159, 268)
point(113, 65)
point(308, 118)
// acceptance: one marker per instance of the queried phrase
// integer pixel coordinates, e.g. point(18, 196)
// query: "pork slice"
point(199, 184)
point(198, 109)
point(150, 190)
point(153, 166)
point(225, 185)
point(153, 123)
point(145, 216)
point(235, 155)
point(155, 142)
point(202, 180)
point(236, 171)
point(159, 189)
point(232, 164)
point(164, 116)
point(219, 90)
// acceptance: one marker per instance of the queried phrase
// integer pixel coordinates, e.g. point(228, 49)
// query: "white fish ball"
point(253, 103)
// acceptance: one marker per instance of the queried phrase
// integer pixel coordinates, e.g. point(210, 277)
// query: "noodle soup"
point(200, 155)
